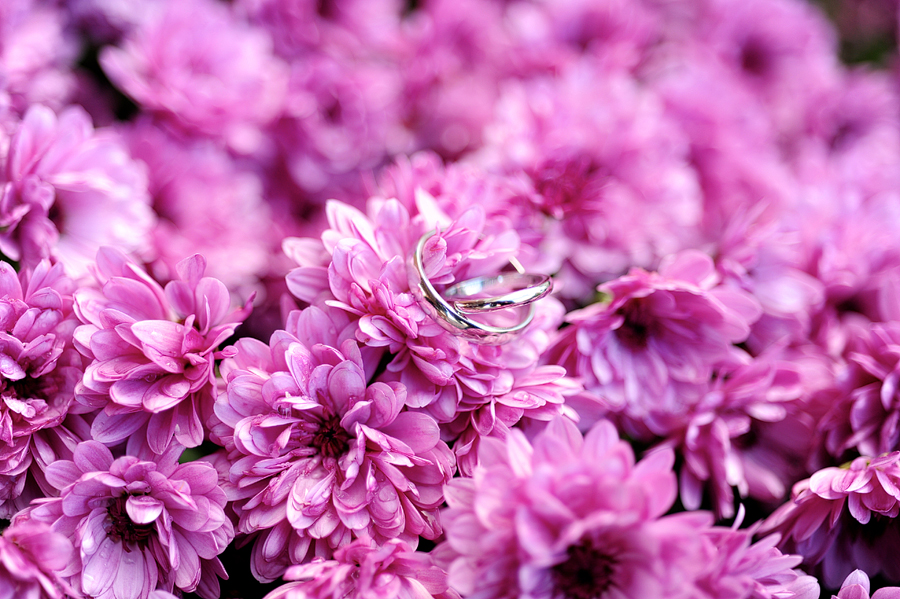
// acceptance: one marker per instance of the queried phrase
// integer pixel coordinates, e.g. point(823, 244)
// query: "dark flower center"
point(123, 530)
point(24, 389)
point(587, 573)
point(331, 439)
point(639, 324)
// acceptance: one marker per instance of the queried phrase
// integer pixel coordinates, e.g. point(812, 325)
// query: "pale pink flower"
point(856, 586)
point(364, 570)
point(844, 518)
point(570, 516)
point(31, 557)
point(317, 455)
point(197, 65)
point(39, 369)
point(59, 176)
point(137, 525)
point(153, 350)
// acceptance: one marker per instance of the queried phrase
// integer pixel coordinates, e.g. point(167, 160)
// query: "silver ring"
point(529, 288)
point(453, 319)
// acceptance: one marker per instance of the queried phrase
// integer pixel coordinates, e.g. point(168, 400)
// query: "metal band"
point(454, 318)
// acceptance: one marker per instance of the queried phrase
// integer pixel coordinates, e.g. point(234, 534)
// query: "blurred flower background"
point(217, 379)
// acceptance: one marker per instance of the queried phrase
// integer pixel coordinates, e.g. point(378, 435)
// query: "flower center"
point(638, 325)
point(331, 439)
point(586, 574)
point(123, 529)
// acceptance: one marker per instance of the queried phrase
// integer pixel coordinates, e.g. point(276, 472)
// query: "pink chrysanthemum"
point(207, 205)
point(742, 570)
point(31, 557)
point(627, 201)
point(657, 340)
point(39, 368)
point(867, 415)
point(457, 187)
point(152, 350)
point(58, 176)
point(317, 455)
point(730, 437)
point(361, 266)
point(37, 54)
point(569, 516)
point(138, 525)
point(856, 586)
point(364, 570)
point(197, 65)
point(844, 518)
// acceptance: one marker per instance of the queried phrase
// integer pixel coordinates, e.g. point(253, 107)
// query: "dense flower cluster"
point(221, 365)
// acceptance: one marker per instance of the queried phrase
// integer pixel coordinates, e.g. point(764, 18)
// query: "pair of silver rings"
point(454, 310)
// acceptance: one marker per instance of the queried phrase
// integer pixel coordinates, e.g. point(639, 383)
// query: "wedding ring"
point(455, 317)
point(527, 288)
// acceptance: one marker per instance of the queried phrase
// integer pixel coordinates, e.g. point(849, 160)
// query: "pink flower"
point(152, 350)
point(318, 456)
point(37, 55)
point(137, 525)
point(364, 570)
point(844, 518)
point(657, 340)
point(196, 65)
point(570, 516)
point(361, 266)
point(58, 176)
point(856, 586)
point(868, 413)
point(742, 570)
point(301, 28)
point(343, 120)
point(31, 557)
point(208, 205)
point(627, 201)
point(39, 368)
point(458, 186)
point(732, 437)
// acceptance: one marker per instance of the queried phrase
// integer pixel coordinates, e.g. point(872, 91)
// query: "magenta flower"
point(31, 557)
point(58, 176)
point(856, 586)
point(39, 368)
point(844, 518)
point(196, 65)
point(364, 570)
point(319, 457)
point(570, 516)
point(656, 342)
point(152, 350)
point(138, 525)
